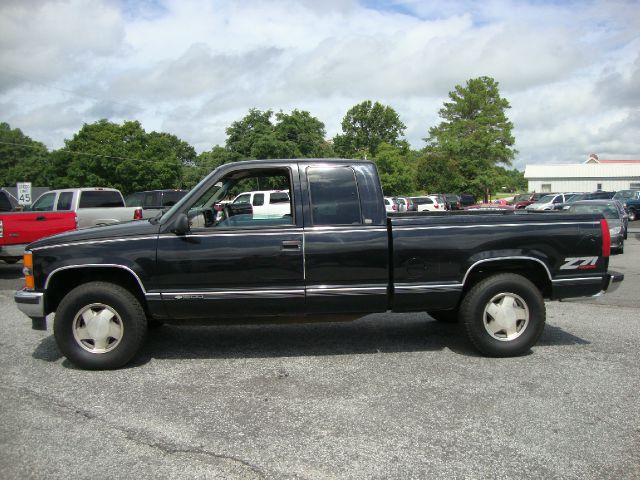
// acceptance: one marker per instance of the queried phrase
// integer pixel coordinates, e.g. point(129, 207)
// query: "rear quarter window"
point(279, 197)
point(100, 199)
point(334, 196)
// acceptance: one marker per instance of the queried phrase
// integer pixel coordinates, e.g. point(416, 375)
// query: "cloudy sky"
point(570, 69)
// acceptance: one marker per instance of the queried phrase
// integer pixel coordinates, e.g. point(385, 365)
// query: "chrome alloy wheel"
point(506, 317)
point(97, 328)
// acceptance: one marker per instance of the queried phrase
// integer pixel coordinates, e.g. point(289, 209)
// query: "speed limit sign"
point(24, 193)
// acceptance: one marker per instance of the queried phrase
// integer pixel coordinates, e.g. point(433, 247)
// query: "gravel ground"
point(387, 396)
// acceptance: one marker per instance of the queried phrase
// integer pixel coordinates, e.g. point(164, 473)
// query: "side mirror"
point(181, 226)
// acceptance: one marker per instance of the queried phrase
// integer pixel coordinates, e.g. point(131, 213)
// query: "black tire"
point(11, 261)
point(114, 332)
point(632, 215)
point(444, 316)
point(512, 296)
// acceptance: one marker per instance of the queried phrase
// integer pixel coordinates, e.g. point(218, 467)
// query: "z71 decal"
point(579, 263)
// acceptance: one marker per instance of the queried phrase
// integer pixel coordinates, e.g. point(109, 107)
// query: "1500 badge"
point(579, 263)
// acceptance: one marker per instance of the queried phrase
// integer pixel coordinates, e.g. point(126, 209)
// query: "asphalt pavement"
point(387, 396)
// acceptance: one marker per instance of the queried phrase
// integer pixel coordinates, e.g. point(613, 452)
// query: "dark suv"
point(466, 200)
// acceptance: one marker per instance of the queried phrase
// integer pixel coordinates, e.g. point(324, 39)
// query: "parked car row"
point(434, 202)
point(58, 211)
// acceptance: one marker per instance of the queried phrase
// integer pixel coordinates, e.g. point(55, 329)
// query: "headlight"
point(615, 230)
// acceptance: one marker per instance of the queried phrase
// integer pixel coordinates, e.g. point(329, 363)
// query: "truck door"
point(345, 240)
point(231, 263)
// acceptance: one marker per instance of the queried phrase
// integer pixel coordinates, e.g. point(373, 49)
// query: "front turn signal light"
point(27, 270)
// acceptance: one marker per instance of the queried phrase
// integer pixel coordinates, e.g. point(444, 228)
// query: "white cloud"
point(570, 70)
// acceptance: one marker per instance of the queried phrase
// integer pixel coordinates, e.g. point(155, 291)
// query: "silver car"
point(611, 210)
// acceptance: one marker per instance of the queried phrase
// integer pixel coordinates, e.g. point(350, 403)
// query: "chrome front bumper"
point(30, 303)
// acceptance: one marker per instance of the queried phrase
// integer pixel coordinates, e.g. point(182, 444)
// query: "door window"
point(44, 203)
point(64, 201)
point(258, 199)
point(227, 204)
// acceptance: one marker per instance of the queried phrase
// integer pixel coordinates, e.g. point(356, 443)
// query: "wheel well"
point(529, 269)
point(66, 280)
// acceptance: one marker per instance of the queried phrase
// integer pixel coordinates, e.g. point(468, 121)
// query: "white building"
point(594, 174)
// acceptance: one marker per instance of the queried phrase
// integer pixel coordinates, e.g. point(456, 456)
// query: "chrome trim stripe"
point(331, 291)
point(411, 286)
point(93, 242)
point(235, 233)
point(497, 259)
point(233, 294)
point(445, 227)
point(581, 279)
point(98, 265)
point(153, 296)
point(364, 229)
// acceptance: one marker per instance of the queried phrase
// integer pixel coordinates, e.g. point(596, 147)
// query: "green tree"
point(396, 175)
point(303, 134)
point(510, 180)
point(476, 133)
point(365, 127)
point(294, 135)
point(121, 156)
point(21, 158)
point(205, 163)
point(437, 173)
point(254, 136)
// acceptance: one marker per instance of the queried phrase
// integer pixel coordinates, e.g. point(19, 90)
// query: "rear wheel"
point(99, 326)
point(503, 315)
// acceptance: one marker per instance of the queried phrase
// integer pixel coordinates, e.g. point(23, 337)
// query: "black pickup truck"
point(333, 254)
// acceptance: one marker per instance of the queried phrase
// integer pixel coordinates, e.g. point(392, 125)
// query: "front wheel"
point(99, 326)
point(503, 315)
point(632, 215)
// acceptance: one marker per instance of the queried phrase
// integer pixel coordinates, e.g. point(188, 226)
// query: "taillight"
point(606, 238)
point(436, 205)
point(137, 214)
point(27, 270)
point(394, 207)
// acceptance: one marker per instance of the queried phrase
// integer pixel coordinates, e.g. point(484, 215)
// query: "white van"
point(266, 203)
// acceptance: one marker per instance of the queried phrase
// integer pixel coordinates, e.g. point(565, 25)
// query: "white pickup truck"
point(93, 206)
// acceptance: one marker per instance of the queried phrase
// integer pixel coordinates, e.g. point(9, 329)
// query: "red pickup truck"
point(18, 229)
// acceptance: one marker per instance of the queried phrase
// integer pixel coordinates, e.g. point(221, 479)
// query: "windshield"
point(165, 214)
point(626, 194)
point(610, 212)
point(547, 199)
point(576, 197)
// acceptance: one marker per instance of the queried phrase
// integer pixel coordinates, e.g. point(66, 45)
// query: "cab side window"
point(334, 196)
point(64, 201)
